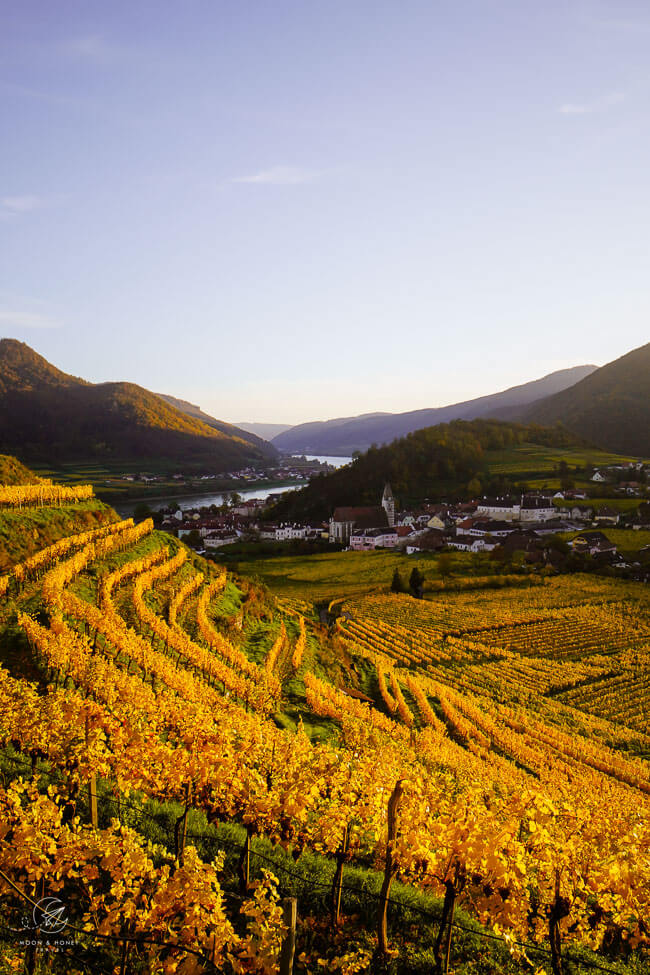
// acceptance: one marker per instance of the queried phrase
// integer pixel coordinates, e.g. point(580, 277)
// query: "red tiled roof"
point(362, 517)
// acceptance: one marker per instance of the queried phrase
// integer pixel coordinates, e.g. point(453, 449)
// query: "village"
point(288, 469)
point(517, 522)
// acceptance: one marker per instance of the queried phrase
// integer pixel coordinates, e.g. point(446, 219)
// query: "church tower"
point(388, 504)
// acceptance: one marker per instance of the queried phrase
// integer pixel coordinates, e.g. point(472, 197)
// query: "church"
point(346, 520)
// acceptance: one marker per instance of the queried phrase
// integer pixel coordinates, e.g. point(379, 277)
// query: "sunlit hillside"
point(456, 784)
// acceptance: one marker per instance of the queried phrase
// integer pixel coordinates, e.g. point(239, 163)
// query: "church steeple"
point(388, 504)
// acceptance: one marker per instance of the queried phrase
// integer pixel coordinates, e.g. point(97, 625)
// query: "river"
point(324, 459)
point(126, 508)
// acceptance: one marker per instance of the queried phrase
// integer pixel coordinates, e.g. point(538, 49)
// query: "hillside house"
point(430, 541)
point(286, 533)
point(372, 538)
point(248, 509)
point(528, 507)
point(578, 513)
point(219, 538)
point(607, 516)
point(593, 543)
point(497, 529)
point(466, 543)
point(405, 518)
point(502, 509)
point(537, 508)
point(519, 541)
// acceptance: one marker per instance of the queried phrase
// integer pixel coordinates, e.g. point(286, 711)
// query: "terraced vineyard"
point(435, 742)
point(579, 641)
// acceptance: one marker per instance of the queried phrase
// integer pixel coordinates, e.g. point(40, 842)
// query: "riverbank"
point(196, 499)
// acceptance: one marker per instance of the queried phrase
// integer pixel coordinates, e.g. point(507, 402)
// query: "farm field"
point(626, 541)
point(551, 641)
point(333, 575)
point(576, 642)
point(536, 460)
point(622, 505)
point(454, 783)
point(108, 482)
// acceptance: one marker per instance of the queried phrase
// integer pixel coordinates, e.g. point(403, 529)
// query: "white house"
point(607, 515)
point(501, 509)
point(363, 540)
point(285, 533)
point(536, 508)
point(497, 529)
point(466, 543)
point(579, 513)
point(217, 539)
point(529, 507)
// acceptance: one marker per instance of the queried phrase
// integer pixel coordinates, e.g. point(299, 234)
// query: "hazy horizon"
point(274, 421)
point(300, 211)
point(338, 416)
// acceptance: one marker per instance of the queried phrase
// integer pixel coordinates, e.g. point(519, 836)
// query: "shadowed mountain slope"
point(345, 435)
point(190, 409)
point(450, 459)
point(49, 416)
point(610, 407)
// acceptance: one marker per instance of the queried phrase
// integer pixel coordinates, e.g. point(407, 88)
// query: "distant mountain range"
point(610, 407)
point(449, 460)
point(50, 417)
point(267, 431)
point(345, 435)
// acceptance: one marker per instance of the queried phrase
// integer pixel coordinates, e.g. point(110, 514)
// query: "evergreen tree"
point(416, 583)
point(397, 585)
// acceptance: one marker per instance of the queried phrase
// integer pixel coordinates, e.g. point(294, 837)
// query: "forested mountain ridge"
point(444, 460)
point(345, 435)
point(51, 417)
point(190, 409)
point(610, 407)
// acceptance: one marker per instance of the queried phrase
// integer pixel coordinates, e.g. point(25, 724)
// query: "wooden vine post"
point(124, 957)
point(92, 788)
point(337, 884)
point(180, 828)
point(244, 866)
point(289, 917)
point(389, 872)
point(453, 887)
point(559, 910)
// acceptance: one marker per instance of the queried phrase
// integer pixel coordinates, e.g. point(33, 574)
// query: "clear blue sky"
point(298, 209)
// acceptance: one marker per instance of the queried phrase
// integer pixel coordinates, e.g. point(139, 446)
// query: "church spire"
point(388, 504)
